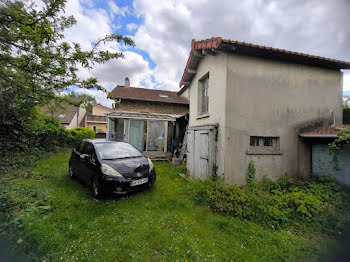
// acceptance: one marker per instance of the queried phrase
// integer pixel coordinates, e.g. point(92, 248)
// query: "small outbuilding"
point(323, 163)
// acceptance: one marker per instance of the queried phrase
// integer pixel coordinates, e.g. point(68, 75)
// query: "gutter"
point(320, 136)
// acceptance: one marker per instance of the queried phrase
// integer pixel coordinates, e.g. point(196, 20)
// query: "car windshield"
point(116, 150)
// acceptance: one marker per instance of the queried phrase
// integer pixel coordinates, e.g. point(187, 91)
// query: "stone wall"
point(152, 107)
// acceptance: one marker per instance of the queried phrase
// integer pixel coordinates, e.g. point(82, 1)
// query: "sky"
point(163, 30)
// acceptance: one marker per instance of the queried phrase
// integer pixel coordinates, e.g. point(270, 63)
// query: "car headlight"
point(110, 171)
point(151, 166)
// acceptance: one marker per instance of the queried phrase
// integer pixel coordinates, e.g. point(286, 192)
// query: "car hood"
point(129, 167)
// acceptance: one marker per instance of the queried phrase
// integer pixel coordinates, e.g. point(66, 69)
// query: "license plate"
point(139, 182)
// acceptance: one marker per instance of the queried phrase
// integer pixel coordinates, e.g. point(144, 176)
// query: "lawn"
point(46, 216)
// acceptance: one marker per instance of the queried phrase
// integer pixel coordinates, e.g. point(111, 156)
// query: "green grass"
point(45, 215)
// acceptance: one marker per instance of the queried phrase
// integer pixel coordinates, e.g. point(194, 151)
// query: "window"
point(264, 145)
point(80, 147)
point(267, 141)
point(163, 96)
point(254, 141)
point(203, 95)
point(89, 149)
point(107, 150)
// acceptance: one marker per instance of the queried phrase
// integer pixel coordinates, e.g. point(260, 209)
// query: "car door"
point(89, 163)
point(76, 159)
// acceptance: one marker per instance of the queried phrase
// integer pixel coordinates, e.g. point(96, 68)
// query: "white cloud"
point(168, 26)
point(115, 71)
point(93, 24)
point(100, 96)
point(131, 27)
point(114, 9)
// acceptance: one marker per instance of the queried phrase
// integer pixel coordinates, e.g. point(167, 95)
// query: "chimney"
point(127, 82)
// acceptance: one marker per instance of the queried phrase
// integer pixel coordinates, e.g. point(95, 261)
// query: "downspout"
point(333, 117)
point(78, 118)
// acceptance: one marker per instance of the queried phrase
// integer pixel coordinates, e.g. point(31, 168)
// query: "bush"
point(77, 134)
point(23, 142)
point(274, 203)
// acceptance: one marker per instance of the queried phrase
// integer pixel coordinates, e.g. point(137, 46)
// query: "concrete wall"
point(186, 94)
point(152, 107)
point(217, 68)
point(272, 98)
point(82, 113)
point(323, 165)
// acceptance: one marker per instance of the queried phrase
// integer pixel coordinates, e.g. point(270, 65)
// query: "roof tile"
point(145, 94)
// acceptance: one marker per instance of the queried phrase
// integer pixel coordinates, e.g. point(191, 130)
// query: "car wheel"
point(96, 189)
point(71, 171)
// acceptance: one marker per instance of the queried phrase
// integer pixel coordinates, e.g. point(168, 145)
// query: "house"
point(72, 116)
point(322, 162)
point(250, 102)
point(150, 119)
point(97, 119)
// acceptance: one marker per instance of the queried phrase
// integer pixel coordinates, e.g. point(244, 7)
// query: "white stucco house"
point(251, 102)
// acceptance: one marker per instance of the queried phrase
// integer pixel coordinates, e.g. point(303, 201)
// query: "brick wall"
point(152, 107)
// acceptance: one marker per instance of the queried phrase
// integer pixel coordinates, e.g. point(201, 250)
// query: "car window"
point(116, 150)
point(80, 147)
point(88, 149)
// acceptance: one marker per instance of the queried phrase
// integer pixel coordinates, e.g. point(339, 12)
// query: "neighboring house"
point(72, 116)
point(149, 119)
point(97, 119)
point(322, 162)
point(250, 102)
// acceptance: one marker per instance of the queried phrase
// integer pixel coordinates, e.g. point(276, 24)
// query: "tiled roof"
point(145, 94)
point(97, 104)
point(68, 115)
point(243, 48)
point(325, 132)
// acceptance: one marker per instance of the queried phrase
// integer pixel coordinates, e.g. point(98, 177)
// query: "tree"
point(36, 62)
point(85, 99)
point(56, 107)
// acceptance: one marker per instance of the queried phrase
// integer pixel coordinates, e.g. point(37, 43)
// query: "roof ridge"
point(281, 50)
point(162, 90)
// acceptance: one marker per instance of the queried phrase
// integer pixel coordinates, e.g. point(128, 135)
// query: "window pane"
point(89, 149)
point(119, 129)
point(156, 136)
point(116, 150)
point(137, 131)
point(204, 95)
point(254, 141)
point(267, 141)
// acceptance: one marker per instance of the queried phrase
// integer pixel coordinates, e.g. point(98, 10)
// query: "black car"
point(111, 167)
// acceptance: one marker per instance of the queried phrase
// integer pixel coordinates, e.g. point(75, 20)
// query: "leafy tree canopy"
point(36, 62)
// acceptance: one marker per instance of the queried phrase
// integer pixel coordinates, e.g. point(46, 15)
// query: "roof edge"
point(215, 42)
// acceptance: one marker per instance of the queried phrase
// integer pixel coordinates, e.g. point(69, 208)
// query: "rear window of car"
point(116, 150)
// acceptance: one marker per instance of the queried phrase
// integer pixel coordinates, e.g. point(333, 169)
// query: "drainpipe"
point(78, 118)
point(333, 117)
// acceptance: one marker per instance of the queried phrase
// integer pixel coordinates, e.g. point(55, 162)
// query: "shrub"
point(274, 203)
point(250, 174)
point(77, 134)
